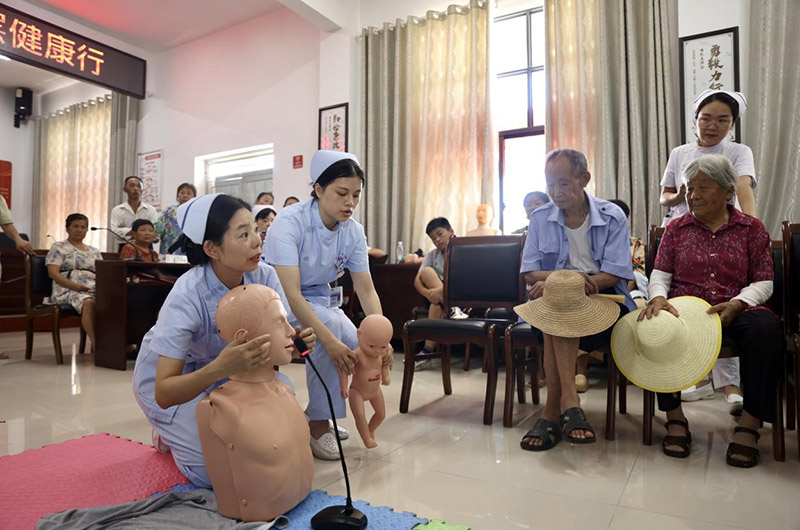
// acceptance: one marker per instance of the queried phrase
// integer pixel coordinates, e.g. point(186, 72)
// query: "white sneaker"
point(457, 314)
point(325, 447)
point(696, 393)
point(735, 404)
point(159, 444)
point(344, 434)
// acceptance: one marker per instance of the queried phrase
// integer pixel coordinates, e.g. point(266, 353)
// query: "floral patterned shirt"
point(167, 228)
point(715, 266)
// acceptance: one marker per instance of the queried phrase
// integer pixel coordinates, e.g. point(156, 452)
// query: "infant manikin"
point(369, 373)
point(254, 435)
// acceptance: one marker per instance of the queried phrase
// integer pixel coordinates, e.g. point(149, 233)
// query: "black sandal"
point(743, 450)
point(544, 430)
point(684, 442)
point(574, 419)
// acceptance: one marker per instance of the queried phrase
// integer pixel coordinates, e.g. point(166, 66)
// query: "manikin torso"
point(484, 215)
point(254, 435)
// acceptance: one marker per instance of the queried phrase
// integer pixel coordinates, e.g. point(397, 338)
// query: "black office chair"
point(478, 272)
point(38, 284)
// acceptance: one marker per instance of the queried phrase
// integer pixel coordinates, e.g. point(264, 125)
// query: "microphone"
point(125, 239)
point(333, 517)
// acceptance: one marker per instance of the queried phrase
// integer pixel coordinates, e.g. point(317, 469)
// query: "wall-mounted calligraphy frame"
point(333, 127)
point(38, 43)
point(708, 60)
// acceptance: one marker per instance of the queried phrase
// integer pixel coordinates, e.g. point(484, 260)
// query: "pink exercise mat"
point(90, 471)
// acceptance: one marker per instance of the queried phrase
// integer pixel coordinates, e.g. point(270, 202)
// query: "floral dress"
point(167, 228)
point(78, 266)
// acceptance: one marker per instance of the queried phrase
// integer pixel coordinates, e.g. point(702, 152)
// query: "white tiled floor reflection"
point(440, 461)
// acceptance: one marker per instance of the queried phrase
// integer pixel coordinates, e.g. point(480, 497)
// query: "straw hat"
point(564, 310)
point(667, 353)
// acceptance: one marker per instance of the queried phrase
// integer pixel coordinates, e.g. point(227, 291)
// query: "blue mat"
point(378, 517)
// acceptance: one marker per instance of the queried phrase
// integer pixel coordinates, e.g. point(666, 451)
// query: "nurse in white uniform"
point(310, 244)
point(182, 358)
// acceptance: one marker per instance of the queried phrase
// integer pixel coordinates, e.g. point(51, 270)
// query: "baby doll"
point(369, 373)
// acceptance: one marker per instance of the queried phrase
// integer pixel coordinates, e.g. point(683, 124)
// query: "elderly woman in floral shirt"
point(167, 228)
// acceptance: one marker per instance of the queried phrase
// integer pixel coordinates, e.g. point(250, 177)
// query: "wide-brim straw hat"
point(564, 310)
point(668, 353)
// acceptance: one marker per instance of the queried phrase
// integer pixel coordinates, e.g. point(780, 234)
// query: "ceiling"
point(158, 25)
point(14, 74)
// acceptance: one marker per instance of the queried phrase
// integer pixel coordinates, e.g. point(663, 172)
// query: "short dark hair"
point(290, 198)
point(222, 210)
point(125, 183)
point(188, 186)
point(137, 224)
point(540, 194)
point(264, 213)
point(71, 218)
point(437, 222)
point(722, 98)
point(263, 194)
point(622, 206)
point(341, 169)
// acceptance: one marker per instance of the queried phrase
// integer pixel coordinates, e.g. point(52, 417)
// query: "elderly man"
point(582, 233)
point(723, 256)
point(123, 215)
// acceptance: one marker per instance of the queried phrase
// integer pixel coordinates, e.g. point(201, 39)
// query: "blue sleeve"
point(358, 261)
point(282, 244)
point(272, 281)
point(531, 256)
point(616, 258)
point(178, 321)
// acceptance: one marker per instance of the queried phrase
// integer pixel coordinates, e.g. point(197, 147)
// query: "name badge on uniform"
point(336, 295)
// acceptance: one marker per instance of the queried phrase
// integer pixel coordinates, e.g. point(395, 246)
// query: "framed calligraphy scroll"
point(708, 60)
point(333, 127)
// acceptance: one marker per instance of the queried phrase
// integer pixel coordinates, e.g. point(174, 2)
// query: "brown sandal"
point(751, 453)
point(684, 442)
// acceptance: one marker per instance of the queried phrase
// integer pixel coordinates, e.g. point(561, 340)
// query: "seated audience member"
point(290, 200)
point(734, 274)
point(123, 215)
point(429, 278)
point(141, 248)
point(167, 229)
point(590, 236)
point(71, 265)
point(264, 215)
point(265, 198)
point(532, 201)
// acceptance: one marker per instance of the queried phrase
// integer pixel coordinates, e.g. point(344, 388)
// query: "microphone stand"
point(334, 517)
point(126, 240)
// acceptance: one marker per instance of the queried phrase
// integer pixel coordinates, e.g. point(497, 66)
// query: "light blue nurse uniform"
point(298, 238)
point(186, 330)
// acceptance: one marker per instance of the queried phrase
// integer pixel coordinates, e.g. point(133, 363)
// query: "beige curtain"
point(71, 170)
point(427, 144)
point(611, 95)
point(773, 113)
point(122, 152)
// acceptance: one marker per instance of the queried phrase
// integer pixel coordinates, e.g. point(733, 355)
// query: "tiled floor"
point(440, 461)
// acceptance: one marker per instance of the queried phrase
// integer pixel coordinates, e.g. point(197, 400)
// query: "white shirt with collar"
point(123, 216)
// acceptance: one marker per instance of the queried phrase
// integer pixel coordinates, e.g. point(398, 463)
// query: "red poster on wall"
point(5, 181)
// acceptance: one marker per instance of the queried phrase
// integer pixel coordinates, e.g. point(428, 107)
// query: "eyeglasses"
point(706, 121)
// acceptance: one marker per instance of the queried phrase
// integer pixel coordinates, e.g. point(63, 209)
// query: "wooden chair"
point(791, 301)
point(478, 272)
point(728, 350)
point(38, 284)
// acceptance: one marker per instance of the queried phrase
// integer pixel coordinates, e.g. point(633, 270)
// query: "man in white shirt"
point(123, 215)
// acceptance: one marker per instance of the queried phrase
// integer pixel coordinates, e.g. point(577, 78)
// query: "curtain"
point(772, 127)
point(122, 152)
point(427, 144)
point(71, 170)
point(611, 95)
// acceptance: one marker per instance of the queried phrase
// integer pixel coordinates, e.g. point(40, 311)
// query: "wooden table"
point(126, 309)
point(395, 287)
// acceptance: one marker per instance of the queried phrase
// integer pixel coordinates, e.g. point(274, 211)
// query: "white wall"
point(254, 83)
point(16, 146)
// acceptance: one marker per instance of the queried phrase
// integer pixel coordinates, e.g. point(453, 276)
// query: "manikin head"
point(249, 311)
point(485, 214)
point(374, 335)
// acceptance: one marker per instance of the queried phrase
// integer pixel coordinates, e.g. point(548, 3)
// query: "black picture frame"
point(333, 127)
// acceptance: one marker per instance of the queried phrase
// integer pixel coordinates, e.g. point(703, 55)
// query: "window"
point(242, 172)
point(518, 109)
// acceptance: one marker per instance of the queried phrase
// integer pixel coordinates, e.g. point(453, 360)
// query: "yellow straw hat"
point(668, 353)
point(564, 310)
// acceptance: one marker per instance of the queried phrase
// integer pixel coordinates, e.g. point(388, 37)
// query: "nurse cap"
point(258, 207)
point(322, 160)
point(192, 216)
point(738, 97)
